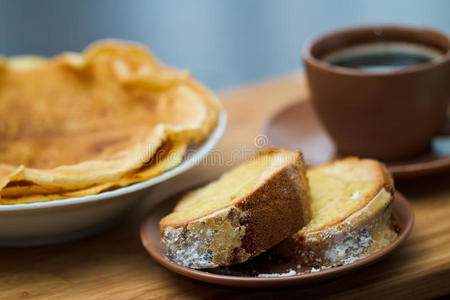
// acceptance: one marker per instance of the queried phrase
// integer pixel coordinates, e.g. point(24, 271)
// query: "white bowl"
point(61, 220)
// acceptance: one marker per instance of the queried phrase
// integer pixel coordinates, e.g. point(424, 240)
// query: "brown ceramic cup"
point(386, 115)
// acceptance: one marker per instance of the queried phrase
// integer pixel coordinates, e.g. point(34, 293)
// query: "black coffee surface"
point(382, 56)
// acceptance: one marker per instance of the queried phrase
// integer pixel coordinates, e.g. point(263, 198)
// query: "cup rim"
point(308, 57)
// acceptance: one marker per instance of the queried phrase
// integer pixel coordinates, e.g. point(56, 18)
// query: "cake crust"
point(276, 209)
point(359, 233)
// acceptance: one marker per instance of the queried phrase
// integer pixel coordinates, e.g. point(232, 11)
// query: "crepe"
point(167, 157)
point(78, 122)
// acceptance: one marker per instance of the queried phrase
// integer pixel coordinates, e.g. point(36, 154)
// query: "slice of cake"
point(351, 214)
point(245, 212)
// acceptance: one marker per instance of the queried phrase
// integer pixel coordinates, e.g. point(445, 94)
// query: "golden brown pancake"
point(80, 120)
point(167, 157)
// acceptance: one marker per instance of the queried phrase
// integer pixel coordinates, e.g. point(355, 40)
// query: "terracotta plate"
point(297, 127)
point(246, 274)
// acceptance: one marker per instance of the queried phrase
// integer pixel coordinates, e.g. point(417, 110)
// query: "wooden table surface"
point(114, 265)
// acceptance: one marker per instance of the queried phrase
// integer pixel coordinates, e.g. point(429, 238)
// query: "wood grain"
point(114, 265)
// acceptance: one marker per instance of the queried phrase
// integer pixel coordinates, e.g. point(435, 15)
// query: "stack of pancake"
point(80, 124)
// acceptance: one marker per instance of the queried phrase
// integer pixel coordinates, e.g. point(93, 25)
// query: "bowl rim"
point(187, 164)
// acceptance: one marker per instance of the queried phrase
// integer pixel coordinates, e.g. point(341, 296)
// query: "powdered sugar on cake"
point(349, 247)
point(291, 272)
point(192, 253)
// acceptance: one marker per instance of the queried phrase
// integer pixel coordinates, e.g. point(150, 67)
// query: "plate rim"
point(242, 281)
point(187, 164)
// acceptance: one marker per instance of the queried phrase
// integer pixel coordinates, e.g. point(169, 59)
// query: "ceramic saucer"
point(266, 270)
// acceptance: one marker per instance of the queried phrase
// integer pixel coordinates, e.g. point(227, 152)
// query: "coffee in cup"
point(380, 91)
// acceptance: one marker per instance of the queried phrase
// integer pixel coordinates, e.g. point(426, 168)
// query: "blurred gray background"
point(225, 43)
